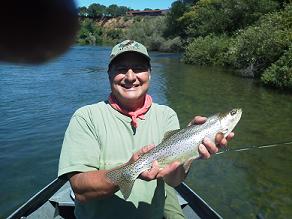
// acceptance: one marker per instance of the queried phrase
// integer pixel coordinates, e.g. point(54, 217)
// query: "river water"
point(36, 103)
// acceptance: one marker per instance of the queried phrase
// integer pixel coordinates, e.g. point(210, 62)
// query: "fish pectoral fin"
point(169, 133)
point(126, 188)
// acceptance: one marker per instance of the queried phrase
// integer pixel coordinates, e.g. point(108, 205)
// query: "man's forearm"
point(91, 185)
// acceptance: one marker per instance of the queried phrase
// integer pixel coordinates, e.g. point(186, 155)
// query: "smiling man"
point(117, 131)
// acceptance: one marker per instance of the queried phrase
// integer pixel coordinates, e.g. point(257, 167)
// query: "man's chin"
point(132, 96)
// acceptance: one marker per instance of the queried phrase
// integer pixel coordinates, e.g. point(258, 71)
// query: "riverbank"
point(252, 37)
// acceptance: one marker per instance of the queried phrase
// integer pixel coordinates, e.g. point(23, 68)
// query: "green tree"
point(123, 10)
point(209, 50)
point(224, 16)
point(280, 73)
point(258, 46)
point(113, 10)
point(190, 2)
point(82, 11)
point(173, 26)
point(96, 10)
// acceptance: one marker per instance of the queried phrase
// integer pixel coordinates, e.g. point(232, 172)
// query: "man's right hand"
point(150, 174)
point(155, 172)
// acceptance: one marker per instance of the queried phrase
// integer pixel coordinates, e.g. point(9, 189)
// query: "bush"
point(112, 35)
point(89, 33)
point(257, 47)
point(171, 45)
point(209, 50)
point(280, 73)
point(224, 16)
point(143, 30)
point(150, 33)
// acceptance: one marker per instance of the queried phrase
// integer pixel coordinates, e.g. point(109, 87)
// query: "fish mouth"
point(234, 112)
point(230, 119)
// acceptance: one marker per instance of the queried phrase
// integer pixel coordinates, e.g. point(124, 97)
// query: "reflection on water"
point(238, 184)
point(36, 104)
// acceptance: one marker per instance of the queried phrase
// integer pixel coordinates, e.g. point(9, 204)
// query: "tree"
point(96, 10)
point(178, 8)
point(223, 16)
point(113, 10)
point(190, 2)
point(82, 11)
point(123, 10)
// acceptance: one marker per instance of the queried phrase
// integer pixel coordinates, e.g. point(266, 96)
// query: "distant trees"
point(173, 26)
point(82, 11)
point(190, 1)
point(115, 11)
point(98, 10)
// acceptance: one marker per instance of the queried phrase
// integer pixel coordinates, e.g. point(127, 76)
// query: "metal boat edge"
point(55, 200)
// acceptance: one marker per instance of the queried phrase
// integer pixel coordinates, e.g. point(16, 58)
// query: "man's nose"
point(130, 75)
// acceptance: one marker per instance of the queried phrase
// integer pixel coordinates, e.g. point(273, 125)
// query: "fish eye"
point(233, 112)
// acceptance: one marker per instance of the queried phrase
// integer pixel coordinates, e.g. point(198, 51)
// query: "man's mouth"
point(129, 86)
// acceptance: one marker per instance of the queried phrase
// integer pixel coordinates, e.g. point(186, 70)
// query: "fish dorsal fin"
point(169, 134)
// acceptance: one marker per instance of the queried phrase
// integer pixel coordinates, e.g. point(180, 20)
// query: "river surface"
point(37, 102)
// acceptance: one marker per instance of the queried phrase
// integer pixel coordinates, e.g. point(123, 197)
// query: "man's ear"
point(149, 75)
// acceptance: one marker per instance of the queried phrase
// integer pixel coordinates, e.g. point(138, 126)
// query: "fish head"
point(229, 120)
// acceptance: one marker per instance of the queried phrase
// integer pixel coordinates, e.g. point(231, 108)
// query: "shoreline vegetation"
point(253, 37)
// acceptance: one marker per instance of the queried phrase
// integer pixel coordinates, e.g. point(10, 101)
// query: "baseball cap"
point(128, 46)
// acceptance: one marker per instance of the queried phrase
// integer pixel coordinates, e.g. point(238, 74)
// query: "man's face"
point(129, 76)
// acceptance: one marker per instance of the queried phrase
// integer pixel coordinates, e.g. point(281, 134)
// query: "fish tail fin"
point(124, 178)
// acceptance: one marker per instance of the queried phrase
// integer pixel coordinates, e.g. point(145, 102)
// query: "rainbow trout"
point(180, 145)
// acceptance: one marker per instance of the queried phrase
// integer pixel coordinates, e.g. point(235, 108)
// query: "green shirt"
point(99, 137)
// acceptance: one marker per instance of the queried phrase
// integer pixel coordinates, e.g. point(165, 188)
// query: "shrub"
point(280, 73)
point(257, 47)
point(150, 33)
point(207, 50)
point(224, 16)
point(89, 33)
point(171, 45)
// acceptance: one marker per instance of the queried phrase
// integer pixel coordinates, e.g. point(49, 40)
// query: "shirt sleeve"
point(80, 150)
point(172, 122)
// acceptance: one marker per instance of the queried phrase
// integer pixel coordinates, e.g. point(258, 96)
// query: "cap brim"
point(123, 53)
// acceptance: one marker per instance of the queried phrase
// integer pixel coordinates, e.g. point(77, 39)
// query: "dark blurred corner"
point(35, 31)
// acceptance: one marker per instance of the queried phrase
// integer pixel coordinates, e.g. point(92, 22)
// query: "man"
point(108, 134)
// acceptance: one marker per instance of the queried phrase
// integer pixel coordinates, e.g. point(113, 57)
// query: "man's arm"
point(91, 185)
point(95, 184)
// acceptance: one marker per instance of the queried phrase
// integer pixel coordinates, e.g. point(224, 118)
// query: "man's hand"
point(207, 147)
point(155, 172)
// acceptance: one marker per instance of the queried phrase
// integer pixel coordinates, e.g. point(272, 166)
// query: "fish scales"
point(181, 146)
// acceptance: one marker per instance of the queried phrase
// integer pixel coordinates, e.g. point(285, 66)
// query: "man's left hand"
point(208, 147)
